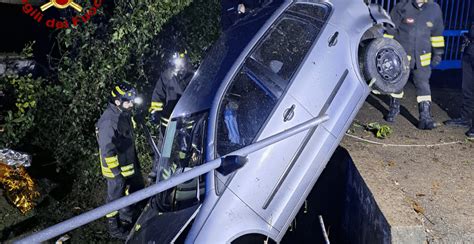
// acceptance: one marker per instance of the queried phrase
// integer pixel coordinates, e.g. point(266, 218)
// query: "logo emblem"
point(429, 24)
point(61, 4)
point(410, 20)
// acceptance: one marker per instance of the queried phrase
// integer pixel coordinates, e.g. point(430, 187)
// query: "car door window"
point(283, 50)
point(245, 108)
point(262, 80)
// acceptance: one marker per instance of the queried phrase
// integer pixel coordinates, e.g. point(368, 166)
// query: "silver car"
point(277, 68)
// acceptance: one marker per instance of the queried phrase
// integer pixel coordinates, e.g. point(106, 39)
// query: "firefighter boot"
point(458, 122)
point(394, 110)
point(426, 122)
point(470, 133)
point(115, 229)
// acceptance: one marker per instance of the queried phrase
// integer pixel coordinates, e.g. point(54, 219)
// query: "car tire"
point(385, 60)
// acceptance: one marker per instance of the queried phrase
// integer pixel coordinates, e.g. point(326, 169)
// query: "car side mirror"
point(231, 163)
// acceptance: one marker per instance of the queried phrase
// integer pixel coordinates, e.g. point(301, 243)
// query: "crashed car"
point(289, 62)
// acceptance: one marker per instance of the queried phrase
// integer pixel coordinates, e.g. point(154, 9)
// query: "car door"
point(257, 105)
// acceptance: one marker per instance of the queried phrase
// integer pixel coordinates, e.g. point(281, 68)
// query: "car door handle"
point(289, 113)
point(333, 39)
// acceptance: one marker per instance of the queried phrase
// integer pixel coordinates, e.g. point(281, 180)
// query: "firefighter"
point(419, 29)
point(168, 89)
point(118, 157)
point(467, 110)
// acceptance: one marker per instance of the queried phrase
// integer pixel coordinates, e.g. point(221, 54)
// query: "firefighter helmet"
point(125, 92)
point(179, 60)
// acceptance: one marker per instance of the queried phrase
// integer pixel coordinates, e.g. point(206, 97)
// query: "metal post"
point(152, 190)
point(325, 234)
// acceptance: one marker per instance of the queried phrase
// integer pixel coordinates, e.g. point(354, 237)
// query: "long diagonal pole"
point(135, 197)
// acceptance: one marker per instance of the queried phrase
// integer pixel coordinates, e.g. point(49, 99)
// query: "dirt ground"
point(437, 182)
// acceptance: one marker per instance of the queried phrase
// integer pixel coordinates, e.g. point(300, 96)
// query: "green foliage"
point(26, 91)
point(108, 49)
point(381, 131)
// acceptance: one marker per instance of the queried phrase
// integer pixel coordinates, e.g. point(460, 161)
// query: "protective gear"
point(180, 61)
point(124, 92)
point(155, 117)
point(420, 32)
point(467, 109)
point(436, 60)
point(115, 229)
point(119, 162)
point(394, 110)
point(168, 89)
point(426, 121)
point(466, 118)
point(116, 143)
point(458, 122)
point(470, 133)
point(151, 178)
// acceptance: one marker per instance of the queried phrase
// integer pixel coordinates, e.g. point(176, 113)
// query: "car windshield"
point(183, 144)
point(225, 51)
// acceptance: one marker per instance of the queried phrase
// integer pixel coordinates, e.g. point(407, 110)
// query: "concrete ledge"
point(355, 208)
point(378, 213)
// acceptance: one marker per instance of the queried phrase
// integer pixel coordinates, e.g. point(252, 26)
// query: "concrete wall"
point(363, 222)
point(350, 211)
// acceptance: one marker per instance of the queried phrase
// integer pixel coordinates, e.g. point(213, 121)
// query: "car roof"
point(200, 93)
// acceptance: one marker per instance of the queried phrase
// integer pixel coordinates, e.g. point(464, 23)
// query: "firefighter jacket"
point(470, 24)
point(419, 30)
point(470, 35)
point(116, 143)
point(168, 89)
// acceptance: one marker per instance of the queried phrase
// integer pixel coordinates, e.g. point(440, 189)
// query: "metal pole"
point(325, 234)
point(152, 190)
point(120, 203)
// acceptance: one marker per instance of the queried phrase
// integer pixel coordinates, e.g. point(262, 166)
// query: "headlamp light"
point(138, 100)
point(178, 62)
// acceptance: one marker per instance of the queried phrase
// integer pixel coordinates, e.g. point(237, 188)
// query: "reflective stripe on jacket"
point(116, 143)
point(419, 30)
point(168, 89)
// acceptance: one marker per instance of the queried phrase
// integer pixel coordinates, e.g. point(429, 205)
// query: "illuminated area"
point(19, 187)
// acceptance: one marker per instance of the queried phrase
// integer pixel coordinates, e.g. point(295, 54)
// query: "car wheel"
point(253, 239)
point(385, 60)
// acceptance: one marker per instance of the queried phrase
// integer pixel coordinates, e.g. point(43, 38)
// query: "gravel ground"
point(436, 181)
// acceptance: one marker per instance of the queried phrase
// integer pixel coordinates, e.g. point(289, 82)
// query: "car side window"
point(262, 80)
point(244, 109)
point(285, 47)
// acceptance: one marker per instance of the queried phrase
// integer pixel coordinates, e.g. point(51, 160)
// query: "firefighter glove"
point(436, 60)
point(155, 117)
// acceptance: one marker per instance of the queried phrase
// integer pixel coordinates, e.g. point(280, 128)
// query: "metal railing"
point(455, 15)
point(150, 191)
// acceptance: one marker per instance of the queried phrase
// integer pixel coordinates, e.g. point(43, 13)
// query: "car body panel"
point(338, 93)
point(264, 196)
point(271, 163)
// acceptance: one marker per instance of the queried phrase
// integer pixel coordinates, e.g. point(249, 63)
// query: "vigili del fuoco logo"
point(83, 15)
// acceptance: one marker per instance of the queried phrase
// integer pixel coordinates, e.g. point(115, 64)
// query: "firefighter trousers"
point(467, 110)
point(120, 186)
point(421, 80)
